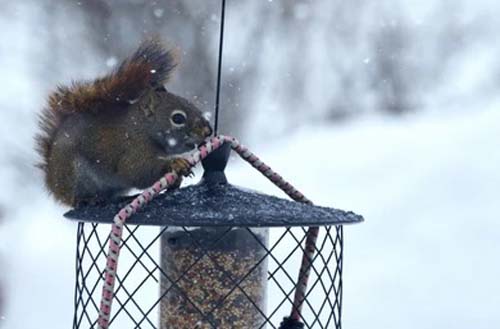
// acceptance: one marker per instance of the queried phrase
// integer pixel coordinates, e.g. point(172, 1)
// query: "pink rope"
point(164, 183)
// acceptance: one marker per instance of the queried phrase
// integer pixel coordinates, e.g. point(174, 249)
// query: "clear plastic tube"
point(213, 278)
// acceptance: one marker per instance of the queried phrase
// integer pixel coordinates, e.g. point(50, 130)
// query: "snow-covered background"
point(388, 108)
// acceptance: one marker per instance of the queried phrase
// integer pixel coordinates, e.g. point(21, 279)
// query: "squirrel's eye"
point(178, 118)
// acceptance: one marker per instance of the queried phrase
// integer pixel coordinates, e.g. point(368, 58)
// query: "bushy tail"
point(149, 67)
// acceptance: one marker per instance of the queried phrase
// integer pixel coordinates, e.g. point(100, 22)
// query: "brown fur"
point(101, 138)
point(150, 65)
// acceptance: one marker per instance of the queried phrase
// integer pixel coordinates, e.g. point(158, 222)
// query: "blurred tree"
point(393, 73)
point(275, 53)
point(295, 61)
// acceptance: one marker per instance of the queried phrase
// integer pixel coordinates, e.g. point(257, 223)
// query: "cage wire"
point(139, 291)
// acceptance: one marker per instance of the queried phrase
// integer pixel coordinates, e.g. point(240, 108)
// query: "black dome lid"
point(214, 202)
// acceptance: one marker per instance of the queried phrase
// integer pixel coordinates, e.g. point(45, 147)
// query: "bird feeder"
point(212, 255)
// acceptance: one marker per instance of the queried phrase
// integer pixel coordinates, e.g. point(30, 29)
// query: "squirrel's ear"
point(147, 105)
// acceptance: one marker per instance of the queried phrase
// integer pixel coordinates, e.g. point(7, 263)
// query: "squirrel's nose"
point(207, 131)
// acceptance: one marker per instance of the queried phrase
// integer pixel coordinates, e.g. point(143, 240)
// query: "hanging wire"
point(219, 68)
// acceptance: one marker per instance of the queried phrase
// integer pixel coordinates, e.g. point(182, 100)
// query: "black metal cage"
point(139, 291)
point(211, 256)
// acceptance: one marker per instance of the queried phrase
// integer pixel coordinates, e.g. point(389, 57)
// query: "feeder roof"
point(215, 202)
point(212, 203)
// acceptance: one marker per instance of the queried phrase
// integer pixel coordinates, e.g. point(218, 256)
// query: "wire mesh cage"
point(213, 255)
point(225, 277)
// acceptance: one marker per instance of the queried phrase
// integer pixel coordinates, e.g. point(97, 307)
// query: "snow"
point(37, 249)
point(207, 115)
point(172, 142)
point(428, 188)
point(111, 61)
point(158, 12)
point(425, 257)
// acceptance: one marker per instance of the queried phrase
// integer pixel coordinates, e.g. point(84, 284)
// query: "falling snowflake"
point(172, 142)
point(111, 61)
point(207, 115)
point(158, 12)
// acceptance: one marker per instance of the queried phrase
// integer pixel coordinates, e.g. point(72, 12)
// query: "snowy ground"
point(428, 188)
point(426, 257)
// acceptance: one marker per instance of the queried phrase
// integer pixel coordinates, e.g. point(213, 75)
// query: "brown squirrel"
point(100, 139)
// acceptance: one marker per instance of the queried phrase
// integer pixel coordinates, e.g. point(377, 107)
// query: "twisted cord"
point(167, 181)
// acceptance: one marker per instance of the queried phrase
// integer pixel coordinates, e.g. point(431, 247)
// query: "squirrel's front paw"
point(181, 166)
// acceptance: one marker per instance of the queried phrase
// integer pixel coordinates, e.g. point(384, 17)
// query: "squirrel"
point(102, 138)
